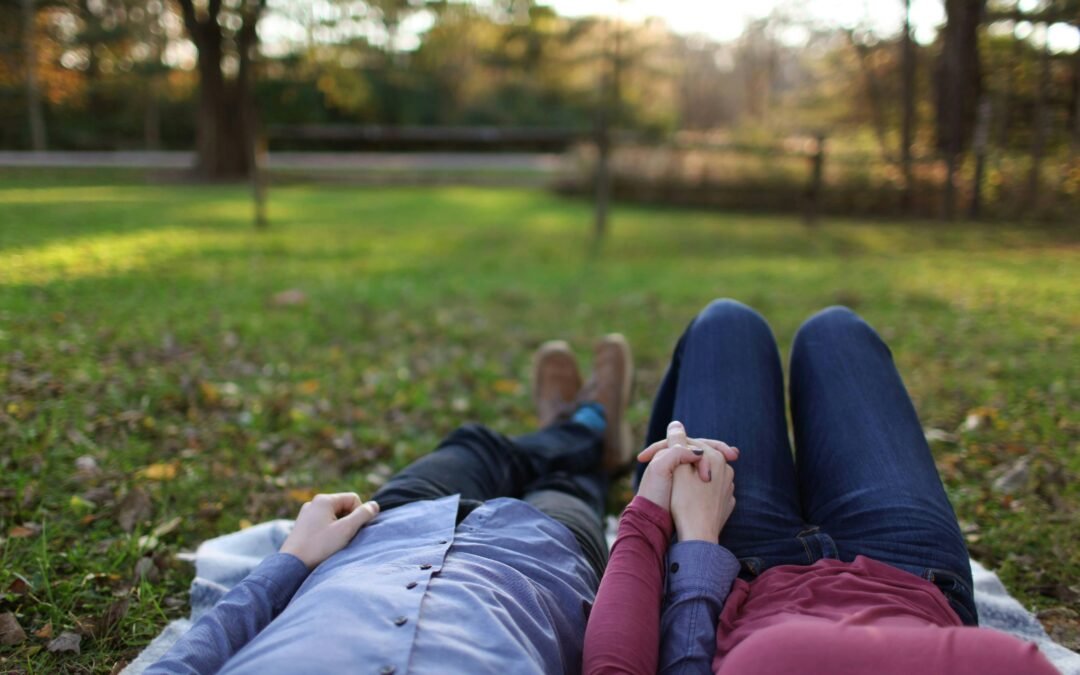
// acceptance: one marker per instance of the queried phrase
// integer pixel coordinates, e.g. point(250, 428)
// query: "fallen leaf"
point(163, 471)
point(99, 495)
point(210, 393)
point(24, 530)
point(145, 570)
point(166, 527)
point(11, 633)
point(45, 632)
point(66, 642)
point(80, 505)
point(508, 387)
point(112, 616)
point(939, 436)
point(244, 523)
point(87, 467)
point(1015, 477)
point(19, 586)
point(291, 298)
point(135, 508)
point(301, 495)
point(309, 387)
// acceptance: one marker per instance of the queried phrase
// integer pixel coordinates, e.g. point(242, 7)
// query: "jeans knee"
point(832, 326)
point(472, 435)
point(831, 320)
point(727, 314)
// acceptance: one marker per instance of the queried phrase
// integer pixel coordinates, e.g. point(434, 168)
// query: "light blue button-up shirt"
point(506, 591)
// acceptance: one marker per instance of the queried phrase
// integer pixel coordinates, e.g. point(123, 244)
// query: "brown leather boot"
point(610, 385)
point(556, 382)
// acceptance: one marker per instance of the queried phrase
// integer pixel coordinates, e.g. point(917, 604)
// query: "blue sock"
point(591, 415)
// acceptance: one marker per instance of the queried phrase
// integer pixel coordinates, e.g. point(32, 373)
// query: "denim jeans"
point(556, 470)
point(862, 481)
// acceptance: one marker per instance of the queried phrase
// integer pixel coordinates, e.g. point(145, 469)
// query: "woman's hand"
point(325, 525)
point(667, 455)
point(700, 509)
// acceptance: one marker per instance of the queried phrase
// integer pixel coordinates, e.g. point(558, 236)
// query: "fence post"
point(258, 178)
point(816, 186)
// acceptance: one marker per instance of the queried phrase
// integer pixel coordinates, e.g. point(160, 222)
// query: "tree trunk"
point(907, 134)
point(958, 85)
point(34, 112)
point(1038, 141)
point(224, 137)
point(982, 141)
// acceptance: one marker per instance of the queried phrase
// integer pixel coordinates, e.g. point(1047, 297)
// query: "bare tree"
point(33, 92)
point(226, 105)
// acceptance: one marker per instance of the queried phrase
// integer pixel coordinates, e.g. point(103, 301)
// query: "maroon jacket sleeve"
point(623, 634)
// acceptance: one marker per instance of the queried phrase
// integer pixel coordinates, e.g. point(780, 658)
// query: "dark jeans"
point(863, 481)
point(556, 470)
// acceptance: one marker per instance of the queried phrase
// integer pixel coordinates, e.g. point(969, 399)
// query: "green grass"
point(137, 329)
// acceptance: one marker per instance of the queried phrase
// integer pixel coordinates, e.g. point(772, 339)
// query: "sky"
point(721, 20)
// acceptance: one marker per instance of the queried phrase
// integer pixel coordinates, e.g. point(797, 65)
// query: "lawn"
point(158, 388)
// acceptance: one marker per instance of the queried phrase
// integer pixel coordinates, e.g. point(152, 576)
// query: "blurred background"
point(902, 107)
point(255, 249)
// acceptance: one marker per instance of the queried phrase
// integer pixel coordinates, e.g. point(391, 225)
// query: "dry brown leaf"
point(291, 298)
point(45, 632)
point(19, 586)
point(66, 642)
point(135, 508)
point(145, 570)
point(24, 530)
point(117, 611)
point(11, 633)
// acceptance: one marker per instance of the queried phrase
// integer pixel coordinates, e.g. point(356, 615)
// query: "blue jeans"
point(556, 469)
point(863, 481)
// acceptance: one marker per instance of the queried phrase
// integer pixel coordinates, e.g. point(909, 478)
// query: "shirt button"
point(387, 670)
point(425, 566)
point(401, 621)
point(674, 567)
point(411, 585)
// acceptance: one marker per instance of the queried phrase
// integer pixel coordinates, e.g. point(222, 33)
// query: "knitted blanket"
point(222, 562)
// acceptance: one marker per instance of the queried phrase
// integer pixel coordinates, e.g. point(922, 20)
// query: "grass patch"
point(156, 395)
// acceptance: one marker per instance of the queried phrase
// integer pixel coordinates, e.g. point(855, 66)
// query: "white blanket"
point(223, 561)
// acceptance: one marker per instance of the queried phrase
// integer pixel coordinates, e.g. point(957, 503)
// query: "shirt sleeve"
point(623, 633)
point(237, 618)
point(699, 579)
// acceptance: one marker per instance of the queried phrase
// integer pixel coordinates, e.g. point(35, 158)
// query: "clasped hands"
point(692, 478)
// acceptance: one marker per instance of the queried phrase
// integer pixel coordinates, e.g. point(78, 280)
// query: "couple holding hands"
point(489, 554)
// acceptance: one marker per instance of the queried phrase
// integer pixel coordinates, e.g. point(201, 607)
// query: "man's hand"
point(667, 455)
point(325, 525)
point(701, 509)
